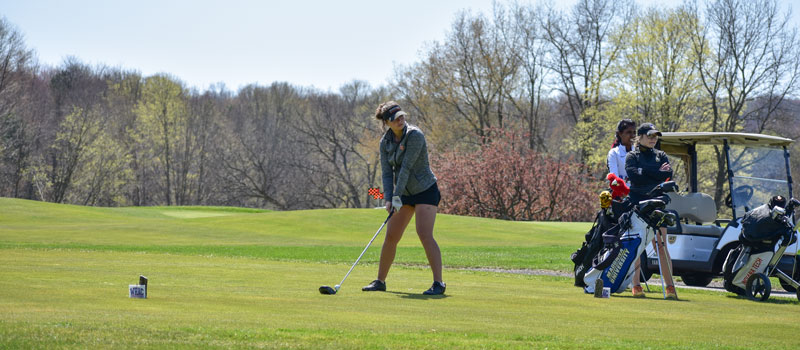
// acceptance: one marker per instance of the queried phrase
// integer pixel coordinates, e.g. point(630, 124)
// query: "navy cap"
point(647, 129)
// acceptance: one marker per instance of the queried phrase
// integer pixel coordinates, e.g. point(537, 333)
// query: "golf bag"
point(762, 228)
point(623, 244)
point(582, 258)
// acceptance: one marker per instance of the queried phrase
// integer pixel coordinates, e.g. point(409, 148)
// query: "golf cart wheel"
point(758, 287)
point(788, 287)
point(697, 280)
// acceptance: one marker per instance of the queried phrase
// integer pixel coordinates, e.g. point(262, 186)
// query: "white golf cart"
point(757, 169)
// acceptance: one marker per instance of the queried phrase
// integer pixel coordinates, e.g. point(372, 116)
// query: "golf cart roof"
point(717, 138)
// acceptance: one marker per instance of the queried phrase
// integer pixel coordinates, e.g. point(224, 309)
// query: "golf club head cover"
point(647, 207)
point(605, 199)
point(618, 186)
point(396, 203)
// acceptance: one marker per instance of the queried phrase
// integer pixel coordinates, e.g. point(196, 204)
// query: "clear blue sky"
point(307, 43)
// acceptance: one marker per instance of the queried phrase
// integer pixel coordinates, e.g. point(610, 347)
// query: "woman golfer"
point(410, 188)
point(648, 167)
point(626, 132)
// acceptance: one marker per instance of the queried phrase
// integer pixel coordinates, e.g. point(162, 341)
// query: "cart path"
point(714, 286)
point(778, 293)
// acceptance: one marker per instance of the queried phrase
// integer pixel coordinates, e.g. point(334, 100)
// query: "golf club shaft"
point(660, 273)
point(365, 248)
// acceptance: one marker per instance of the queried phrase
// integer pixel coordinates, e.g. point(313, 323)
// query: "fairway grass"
point(249, 279)
point(78, 299)
point(332, 236)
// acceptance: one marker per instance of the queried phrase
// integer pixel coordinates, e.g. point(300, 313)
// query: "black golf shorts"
point(430, 196)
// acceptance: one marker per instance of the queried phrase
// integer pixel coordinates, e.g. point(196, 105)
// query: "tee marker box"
point(137, 291)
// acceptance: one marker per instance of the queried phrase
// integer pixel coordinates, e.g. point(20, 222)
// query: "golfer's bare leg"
point(394, 231)
point(666, 251)
point(666, 265)
point(637, 271)
point(426, 216)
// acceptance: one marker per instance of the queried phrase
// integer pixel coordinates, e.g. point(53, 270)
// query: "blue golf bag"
point(623, 244)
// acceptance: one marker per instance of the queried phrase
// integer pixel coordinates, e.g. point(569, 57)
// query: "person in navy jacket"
point(647, 167)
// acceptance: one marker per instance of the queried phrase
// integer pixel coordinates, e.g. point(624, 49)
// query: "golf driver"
point(328, 289)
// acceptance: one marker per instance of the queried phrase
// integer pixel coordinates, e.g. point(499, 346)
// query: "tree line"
point(538, 87)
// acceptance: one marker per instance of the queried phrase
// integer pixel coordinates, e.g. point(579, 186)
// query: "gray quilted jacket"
point(406, 163)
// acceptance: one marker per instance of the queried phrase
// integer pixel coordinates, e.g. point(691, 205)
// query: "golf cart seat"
point(697, 208)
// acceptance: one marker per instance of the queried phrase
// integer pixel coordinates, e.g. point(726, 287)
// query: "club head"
point(327, 290)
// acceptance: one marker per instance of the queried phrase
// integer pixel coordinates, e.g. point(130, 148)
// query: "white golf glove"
point(396, 203)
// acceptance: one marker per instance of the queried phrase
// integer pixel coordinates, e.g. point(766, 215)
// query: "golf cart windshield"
point(758, 173)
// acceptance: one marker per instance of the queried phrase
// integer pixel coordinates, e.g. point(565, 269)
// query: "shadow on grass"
point(655, 296)
point(771, 300)
point(406, 295)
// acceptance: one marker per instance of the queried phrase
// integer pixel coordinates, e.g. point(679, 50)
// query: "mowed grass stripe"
point(543, 257)
point(75, 299)
point(335, 236)
point(24, 221)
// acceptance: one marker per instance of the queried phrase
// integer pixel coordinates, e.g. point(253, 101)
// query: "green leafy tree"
point(162, 118)
point(744, 49)
point(655, 74)
point(104, 174)
point(654, 80)
point(77, 132)
point(122, 98)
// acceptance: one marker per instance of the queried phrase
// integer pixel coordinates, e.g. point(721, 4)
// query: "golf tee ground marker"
point(138, 291)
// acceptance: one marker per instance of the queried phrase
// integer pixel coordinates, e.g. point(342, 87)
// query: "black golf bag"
point(582, 258)
point(762, 228)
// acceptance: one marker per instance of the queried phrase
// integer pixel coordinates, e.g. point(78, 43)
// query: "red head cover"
point(618, 186)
